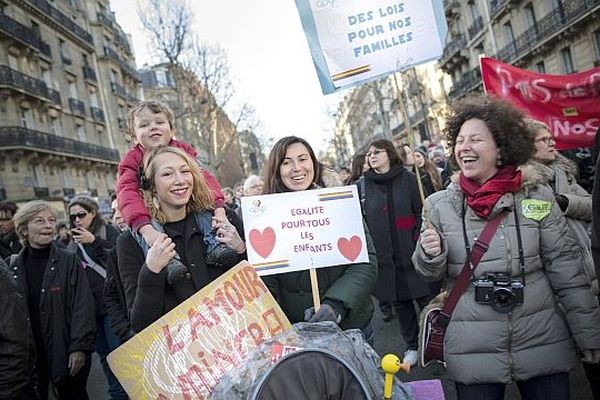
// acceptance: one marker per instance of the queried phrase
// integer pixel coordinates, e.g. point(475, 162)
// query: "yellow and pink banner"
point(185, 353)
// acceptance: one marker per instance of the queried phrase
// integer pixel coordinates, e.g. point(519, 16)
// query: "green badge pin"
point(535, 209)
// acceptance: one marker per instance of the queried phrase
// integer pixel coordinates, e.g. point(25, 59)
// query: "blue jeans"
point(547, 387)
point(106, 341)
point(204, 222)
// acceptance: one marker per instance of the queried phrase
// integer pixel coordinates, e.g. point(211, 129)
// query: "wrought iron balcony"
point(469, 81)
point(453, 47)
point(17, 136)
point(67, 23)
point(118, 90)
point(476, 27)
point(97, 114)
point(76, 106)
point(89, 73)
point(549, 25)
point(495, 6)
point(105, 19)
point(122, 41)
point(126, 68)
point(35, 87)
point(23, 34)
point(68, 192)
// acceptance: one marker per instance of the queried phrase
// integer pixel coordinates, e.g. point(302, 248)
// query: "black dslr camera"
point(500, 291)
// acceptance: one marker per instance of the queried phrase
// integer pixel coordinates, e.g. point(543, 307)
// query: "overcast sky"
point(269, 58)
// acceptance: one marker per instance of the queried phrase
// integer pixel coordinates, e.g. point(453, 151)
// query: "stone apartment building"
point(67, 78)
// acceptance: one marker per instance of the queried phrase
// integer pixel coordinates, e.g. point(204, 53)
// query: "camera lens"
point(502, 300)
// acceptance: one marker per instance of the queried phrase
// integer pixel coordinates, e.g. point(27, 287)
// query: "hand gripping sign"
point(310, 229)
point(355, 41)
point(184, 353)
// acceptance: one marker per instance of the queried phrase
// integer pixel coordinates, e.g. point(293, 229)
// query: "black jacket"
point(17, 349)
point(9, 245)
point(393, 212)
point(114, 297)
point(66, 308)
point(148, 294)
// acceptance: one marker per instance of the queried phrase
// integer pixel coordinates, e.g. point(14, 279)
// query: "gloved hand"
point(326, 313)
point(563, 202)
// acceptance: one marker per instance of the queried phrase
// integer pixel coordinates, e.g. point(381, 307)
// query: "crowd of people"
point(68, 289)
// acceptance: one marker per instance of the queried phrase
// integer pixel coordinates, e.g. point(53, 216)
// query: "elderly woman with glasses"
point(60, 303)
point(92, 241)
point(393, 212)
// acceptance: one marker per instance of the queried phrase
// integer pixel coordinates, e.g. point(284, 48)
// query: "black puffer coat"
point(66, 308)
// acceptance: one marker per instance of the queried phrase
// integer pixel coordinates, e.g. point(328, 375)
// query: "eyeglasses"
point(374, 153)
point(546, 139)
point(79, 215)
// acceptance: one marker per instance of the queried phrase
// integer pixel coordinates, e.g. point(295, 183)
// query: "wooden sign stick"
point(314, 284)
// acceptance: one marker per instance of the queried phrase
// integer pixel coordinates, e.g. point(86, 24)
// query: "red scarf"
point(482, 198)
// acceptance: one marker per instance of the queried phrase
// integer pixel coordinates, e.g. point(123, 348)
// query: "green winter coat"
point(350, 285)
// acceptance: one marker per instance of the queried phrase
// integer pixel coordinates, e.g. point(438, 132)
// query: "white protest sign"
point(301, 230)
point(354, 41)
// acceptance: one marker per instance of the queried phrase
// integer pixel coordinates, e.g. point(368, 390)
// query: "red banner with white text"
point(568, 104)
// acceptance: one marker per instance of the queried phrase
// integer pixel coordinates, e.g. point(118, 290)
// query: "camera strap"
point(473, 257)
point(520, 242)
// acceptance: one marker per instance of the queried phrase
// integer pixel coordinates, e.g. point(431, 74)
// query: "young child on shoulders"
point(151, 125)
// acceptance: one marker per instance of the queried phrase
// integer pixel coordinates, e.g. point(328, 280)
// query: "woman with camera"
point(506, 325)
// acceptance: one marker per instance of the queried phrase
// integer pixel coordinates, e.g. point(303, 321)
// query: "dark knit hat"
point(423, 152)
point(87, 202)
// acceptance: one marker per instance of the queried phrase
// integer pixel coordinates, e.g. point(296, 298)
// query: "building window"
point(473, 10)
point(540, 67)
point(73, 90)
point(81, 133)
point(530, 20)
point(39, 179)
point(64, 52)
point(66, 178)
point(55, 127)
point(26, 118)
point(90, 179)
point(567, 60)
point(47, 77)
point(509, 35)
point(596, 36)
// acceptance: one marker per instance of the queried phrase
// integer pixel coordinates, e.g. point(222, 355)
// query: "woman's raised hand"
point(160, 253)
point(431, 242)
point(226, 233)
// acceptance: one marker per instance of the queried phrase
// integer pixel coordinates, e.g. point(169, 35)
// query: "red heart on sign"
point(262, 242)
point(350, 248)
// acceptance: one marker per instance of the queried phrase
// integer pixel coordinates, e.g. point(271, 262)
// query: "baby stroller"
point(310, 361)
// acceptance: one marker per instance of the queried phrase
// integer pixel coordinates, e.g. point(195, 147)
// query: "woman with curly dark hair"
point(506, 325)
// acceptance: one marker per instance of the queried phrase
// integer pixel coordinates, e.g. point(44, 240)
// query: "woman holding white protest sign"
point(505, 325)
point(345, 290)
point(175, 192)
